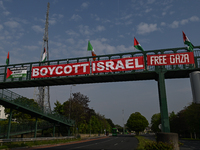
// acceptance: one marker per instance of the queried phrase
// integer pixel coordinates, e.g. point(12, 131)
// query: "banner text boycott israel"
point(114, 65)
point(170, 59)
point(61, 70)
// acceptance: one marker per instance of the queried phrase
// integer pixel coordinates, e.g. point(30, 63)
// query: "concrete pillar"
point(171, 138)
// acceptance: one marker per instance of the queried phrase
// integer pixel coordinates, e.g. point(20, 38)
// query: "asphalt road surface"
point(126, 142)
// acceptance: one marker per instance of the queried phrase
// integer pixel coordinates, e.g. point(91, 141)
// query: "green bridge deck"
point(149, 73)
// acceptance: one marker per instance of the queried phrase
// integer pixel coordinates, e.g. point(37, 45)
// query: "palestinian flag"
point(137, 45)
point(17, 72)
point(7, 60)
point(187, 42)
point(44, 55)
point(90, 48)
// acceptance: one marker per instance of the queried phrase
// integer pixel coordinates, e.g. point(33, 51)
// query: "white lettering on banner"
point(137, 65)
point(51, 70)
point(158, 59)
point(182, 58)
point(59, 67)
point(65, 69)
point(114, 65)
point(119, 65)
point(76, 68)
point(123, 64)
point(84, 67)
point(43, 73)
point(170, 59)
point(109, 65)
point(128, 63)
point(100, 65)
point(35, 72)
point(60, 70)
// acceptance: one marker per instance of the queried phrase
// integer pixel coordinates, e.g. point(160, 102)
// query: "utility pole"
point(123, 120)
point(43, 96)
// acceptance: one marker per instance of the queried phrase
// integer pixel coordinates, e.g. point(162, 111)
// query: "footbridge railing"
point(13, 100)
point(91, 77)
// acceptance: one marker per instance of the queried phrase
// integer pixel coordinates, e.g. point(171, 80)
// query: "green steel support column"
point(9, 123)
point(163, 101)
point(54, 127)
point(35, 135)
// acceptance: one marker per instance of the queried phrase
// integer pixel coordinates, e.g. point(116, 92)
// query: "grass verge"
point(142, 141)
point(10, 145)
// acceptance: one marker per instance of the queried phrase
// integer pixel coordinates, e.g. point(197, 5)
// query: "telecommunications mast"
point(41, 94)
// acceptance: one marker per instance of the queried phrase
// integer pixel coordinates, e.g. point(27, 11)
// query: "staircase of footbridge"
point(15, 101)
point(51, 72)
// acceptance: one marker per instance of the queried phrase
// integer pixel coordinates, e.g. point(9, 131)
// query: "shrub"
point(158, 146)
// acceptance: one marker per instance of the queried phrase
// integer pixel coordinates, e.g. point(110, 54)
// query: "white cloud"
point(6, 13)
point(100, 28)
point(143, 28)
point(127, 16)
point(76, 17)
point(52, 21)
point(72, 33)
point(194, 18)
point(12, 24)
point(148, 10)
point(85, 30)
point(163, 24)
point(31, 48)
point(1, 27)
point(184, 21)
point(37, 28)
point(71, 41)
point(84, 5)
point(151, 1)
point(174, 24)
point(164, 13)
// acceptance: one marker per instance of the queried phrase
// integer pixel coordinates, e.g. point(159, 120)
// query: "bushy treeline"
point(186, 122)
point(86, 119)
point(75, 108)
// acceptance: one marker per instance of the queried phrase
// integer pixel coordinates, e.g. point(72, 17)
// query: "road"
point(126, 142)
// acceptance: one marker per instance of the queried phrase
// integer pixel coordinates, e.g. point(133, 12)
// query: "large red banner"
point(170, 59)
point(61, 70)
point(114, 65)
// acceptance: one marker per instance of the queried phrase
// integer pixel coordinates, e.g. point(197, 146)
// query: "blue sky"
point(110, 26)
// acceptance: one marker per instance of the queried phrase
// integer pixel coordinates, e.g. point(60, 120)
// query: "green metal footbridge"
point(15, 101)
point(158, 73)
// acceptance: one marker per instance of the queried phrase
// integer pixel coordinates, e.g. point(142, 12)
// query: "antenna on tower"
point(42, 95)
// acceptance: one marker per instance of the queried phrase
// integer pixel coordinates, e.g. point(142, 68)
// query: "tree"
point(110, 123)
point(137, 122)
point(192, 116)
point(155, 121)
point(22, 117)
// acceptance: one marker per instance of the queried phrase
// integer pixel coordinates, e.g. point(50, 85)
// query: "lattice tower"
point(41, 94)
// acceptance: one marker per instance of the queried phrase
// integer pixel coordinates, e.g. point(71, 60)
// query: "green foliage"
point(192, 116)
point(155, 121)
point(22, 117)
point(137, 122)
point(110, 123)
point(158, 146)
point(186, 121)
point(77, 107)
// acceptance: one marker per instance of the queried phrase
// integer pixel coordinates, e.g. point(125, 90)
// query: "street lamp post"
point(70, 98)
point(123, 121)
